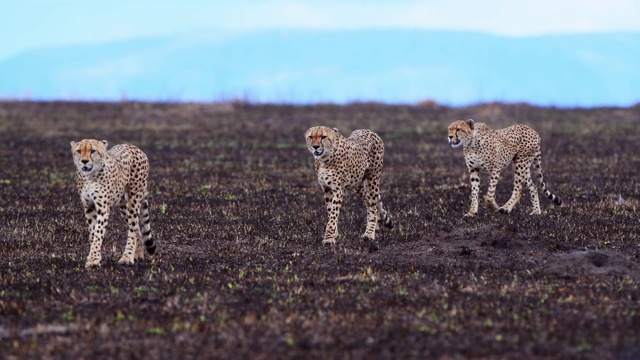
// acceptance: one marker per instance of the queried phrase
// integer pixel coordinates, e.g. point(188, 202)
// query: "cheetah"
point(349, 163)
point(490, 151)
point(114, 177)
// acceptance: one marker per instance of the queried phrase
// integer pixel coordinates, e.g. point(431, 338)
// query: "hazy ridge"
point(394, 66)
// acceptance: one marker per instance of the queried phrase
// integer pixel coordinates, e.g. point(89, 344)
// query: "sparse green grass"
point(238, 216)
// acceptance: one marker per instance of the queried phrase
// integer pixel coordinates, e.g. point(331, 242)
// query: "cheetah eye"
point(310, 137)
point(92, 151)
point(324, 137)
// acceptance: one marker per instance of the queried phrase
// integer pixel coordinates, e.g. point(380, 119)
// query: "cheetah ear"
point(72, 143)
point(105, 142)
point(335, 129)
point(470, 123)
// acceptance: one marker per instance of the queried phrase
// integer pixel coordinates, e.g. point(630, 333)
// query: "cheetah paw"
point(92, 264)
point(368, 237)
point(503, 211)
point(469, 214)
point(126, 260)
point(490, 204)
point(372, 245)
point(329, 241)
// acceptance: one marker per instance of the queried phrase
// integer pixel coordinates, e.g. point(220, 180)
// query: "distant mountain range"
point(393, 66)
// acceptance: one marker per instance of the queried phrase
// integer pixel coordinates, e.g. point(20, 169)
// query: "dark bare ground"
point(241, 271)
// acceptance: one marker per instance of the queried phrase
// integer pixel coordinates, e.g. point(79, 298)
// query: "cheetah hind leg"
point(125, 211)
point(533, 191)
point(139, 251)
point(373, 210)
point(134, 235)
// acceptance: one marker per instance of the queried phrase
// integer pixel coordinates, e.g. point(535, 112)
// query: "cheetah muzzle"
point(454, 142)
point(318, 153)
point(87, 169)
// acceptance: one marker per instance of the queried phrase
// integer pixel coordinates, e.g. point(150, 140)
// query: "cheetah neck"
point(95, 173)
point(473, 143)
point(336, 153)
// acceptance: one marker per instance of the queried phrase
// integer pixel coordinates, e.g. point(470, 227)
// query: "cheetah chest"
point(346, 177)
point(106, 188)
point(483, 160)
point(486, 155)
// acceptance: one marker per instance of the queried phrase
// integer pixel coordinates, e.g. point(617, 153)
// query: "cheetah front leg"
point(90, 215)
point(334, 213)
point(474, 174)
point(134, 236)
point(97, 235)
point(328, 200)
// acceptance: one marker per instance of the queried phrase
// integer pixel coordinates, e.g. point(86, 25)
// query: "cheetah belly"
point(354, 175)
point(350, 178)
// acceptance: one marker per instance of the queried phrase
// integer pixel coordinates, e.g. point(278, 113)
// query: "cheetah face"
point(88, 154)
point(321, 140)
point(460, 132)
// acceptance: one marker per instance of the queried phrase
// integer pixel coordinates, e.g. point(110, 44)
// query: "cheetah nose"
point(450, 137)
point(84, 161)
point(316, 146)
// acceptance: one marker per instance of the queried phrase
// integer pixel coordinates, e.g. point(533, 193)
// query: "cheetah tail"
point(387, 221)
point(148, 241)
point(383, 216)
point(537, 163)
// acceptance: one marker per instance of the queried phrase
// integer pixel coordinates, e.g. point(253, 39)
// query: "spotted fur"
point(487, 150)
point(115, 177)
point(349, 163)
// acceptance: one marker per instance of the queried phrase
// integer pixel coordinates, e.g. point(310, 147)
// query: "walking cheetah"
point(106, 178)
point(491, 151)
point(349, 163)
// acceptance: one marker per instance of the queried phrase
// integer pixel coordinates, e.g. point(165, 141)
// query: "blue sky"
point(32, 24)
point(44, 53)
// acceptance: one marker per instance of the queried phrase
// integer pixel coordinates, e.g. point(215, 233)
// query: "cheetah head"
point(88, 154)
point(321, 140)
point(460, 132)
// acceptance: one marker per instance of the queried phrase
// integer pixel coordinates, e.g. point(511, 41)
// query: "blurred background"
point(566, 53)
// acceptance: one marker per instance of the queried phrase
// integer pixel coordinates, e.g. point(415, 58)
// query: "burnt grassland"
point(240, 270)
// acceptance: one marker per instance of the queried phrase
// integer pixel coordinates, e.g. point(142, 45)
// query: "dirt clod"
point(593, 262)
